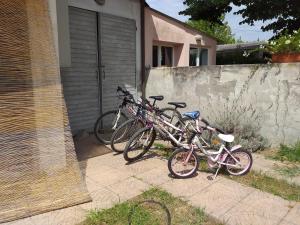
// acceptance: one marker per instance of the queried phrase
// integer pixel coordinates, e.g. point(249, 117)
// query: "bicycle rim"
point(140, 144)
point(240, 167)
point(104, 126)
point(180, 167)
point(123, 134)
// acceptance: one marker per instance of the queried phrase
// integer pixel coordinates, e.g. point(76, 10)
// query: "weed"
point(289, 171)
point(268, 184)
point(288, 153)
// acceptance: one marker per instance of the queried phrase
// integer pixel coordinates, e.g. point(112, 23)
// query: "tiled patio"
point(109, 181)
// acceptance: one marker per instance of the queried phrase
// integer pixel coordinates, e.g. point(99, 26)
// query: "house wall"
point(162, 29)
point(123, 8)
point(272, 91)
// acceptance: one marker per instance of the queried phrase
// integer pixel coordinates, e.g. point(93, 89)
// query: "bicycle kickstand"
point(219, 167)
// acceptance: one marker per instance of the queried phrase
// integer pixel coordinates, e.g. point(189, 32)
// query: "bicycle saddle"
point(158, 97)
point(178, 104)
point(226, 137)
point(193, 115)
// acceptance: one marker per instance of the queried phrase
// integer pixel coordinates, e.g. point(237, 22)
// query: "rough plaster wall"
point(273, 90)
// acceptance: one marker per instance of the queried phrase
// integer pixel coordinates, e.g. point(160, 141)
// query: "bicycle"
point(107, 123)
point(143, 139)
point(184, 162)
point(139, 121)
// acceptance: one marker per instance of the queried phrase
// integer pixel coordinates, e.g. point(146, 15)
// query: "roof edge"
point(182, 23)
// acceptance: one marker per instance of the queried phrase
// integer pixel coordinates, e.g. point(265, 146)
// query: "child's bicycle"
point(184, 162)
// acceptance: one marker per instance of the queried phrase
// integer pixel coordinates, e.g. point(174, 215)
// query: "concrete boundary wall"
point(272, 90)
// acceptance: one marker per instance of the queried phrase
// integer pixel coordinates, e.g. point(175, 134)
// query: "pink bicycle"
point(184, 162)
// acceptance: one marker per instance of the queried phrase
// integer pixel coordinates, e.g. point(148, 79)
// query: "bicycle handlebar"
point(216, 128)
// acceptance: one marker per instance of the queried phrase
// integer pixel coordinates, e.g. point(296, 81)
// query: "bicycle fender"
point(235, 148)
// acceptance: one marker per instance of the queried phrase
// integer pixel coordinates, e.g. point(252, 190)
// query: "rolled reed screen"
point(39, 171)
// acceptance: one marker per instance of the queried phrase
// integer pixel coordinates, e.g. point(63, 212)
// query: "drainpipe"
point(143, 47)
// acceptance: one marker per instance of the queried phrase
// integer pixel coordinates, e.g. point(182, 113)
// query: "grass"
point(289, 171)
point(288, 153)
point(271, 185)
point(162, 150)
point(148, 214)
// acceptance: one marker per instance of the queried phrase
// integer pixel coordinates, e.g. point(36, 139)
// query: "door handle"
point(102, 69)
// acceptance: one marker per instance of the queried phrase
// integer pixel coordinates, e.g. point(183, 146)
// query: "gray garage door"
point(118, 54)
point(90, 84)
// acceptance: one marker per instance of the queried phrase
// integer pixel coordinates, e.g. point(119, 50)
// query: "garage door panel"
point(118, 54)
point(80, 82)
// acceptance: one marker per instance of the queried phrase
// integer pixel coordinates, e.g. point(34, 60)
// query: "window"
point(155, 56)
point(162, 56)
point(166, 56)
point(193, 56)
point(198, 56)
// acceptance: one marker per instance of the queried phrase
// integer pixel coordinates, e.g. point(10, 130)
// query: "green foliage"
point(288, 43)
point(284, 16)
point(288, 153)
point(222, 33)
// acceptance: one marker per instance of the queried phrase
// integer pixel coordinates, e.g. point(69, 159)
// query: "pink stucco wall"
point(163, 30)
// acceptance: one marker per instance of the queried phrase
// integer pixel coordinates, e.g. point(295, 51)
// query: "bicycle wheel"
point(173, 113)
point(139, 144)
point(123, 133)
point(180, 167)
point(106, 125)
point(243, 165)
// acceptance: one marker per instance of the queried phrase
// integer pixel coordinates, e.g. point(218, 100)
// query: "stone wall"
point(272, 91)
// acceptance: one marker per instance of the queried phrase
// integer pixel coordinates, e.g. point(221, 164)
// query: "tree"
point(283, 16)
point(222, 33)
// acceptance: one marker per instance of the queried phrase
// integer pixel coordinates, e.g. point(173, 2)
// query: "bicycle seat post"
point(154, 102)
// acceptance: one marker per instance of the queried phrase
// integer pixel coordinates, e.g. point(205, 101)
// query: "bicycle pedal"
point(210, 177)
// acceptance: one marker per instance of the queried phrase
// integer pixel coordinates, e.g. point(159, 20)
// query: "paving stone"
point(188, 187)
point(268, 167)
point(67, 216)
point(108, 176)
point(258, 208)
point(293, 216)
point(220, 197)
point(129, 188)
point(157, 176)
point(146, 165)
point(102, 198)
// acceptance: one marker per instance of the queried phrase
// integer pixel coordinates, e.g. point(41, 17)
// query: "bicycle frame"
point(158, 125)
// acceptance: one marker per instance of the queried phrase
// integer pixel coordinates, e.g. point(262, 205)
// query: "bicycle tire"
point(193, 171)
point(145, 149)
point(105, 135)
point(129, 128)
point(175, 113)
point(249, 166)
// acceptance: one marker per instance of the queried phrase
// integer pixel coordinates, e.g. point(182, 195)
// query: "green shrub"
point(285, 44)
point(289, 153)
point(243, 122)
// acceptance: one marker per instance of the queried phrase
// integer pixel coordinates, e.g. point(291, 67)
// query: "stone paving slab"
point(220, 197)
point(258, 208)
point(110, 181)
point(268, 167)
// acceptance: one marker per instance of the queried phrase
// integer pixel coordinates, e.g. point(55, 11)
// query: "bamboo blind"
point(38, 170)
